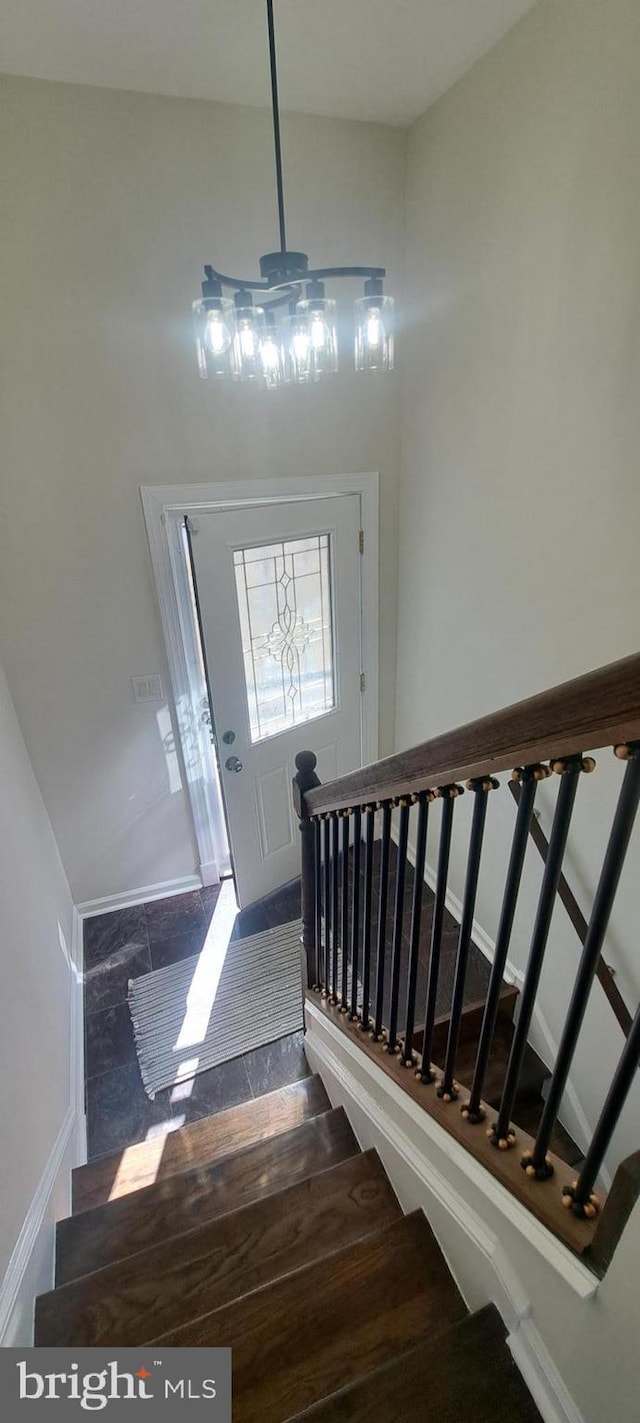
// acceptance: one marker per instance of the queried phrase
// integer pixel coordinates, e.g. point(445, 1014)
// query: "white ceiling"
point(384, 60)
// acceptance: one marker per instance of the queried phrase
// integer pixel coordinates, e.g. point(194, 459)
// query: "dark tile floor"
point(129, 942)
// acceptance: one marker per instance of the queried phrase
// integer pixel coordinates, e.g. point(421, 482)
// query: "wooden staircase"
point(267, 1229)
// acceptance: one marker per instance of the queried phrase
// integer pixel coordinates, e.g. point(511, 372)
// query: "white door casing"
point(280, 607)
point(164, 508)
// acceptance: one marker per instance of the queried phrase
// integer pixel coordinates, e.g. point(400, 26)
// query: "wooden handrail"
point(565, 893)
point(601, 708)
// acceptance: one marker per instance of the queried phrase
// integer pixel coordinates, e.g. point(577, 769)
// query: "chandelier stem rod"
point(276, 123)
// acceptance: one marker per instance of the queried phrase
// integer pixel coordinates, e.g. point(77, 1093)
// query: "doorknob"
point(228, 737)
point(232, 763)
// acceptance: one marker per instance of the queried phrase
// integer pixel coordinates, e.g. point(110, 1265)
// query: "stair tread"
point(337, 1319)
point(177, 1203)
point(534, 1072)
point(471, 1021)
point(529, 1102)
point(467, 1373)
point(208, 1139)
point(189, 1275)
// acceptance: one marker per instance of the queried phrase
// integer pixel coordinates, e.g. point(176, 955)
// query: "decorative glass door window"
point(284, 602)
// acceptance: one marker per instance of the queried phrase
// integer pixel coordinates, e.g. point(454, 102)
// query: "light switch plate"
point(147, 689)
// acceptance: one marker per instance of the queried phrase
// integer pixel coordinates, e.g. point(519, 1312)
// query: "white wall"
point(38, 1035)
point(520, 499)
point(113, 203)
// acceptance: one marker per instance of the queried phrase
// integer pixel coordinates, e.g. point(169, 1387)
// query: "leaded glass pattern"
point(284, 602)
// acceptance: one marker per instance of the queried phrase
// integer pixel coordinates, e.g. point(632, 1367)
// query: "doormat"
point(224, 1002)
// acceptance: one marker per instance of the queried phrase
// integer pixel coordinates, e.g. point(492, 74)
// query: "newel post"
point(305, 780)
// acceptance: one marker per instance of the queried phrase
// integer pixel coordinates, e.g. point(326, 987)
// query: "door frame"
point(164, 506)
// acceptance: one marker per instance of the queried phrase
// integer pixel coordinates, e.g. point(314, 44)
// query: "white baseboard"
point(32, 1257)
point(146, 892)
point(545, 1384)
point(31, 1267)
point(76, 1066)
point(383, 1116)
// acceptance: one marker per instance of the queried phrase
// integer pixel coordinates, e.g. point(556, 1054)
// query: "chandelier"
point(291, 335)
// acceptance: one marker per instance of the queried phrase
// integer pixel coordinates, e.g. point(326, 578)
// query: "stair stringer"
point(496, 1250)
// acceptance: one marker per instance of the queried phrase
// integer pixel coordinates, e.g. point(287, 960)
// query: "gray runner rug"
point(224, 1002)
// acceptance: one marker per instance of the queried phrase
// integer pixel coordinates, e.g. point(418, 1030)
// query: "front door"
point(278, 589)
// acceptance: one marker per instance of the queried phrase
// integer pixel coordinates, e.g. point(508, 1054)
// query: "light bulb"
point(271, 354)
point(296, 350)
point(317, 315)
point(374, 329)
point(213, 321)
point(217, 334)
point(374, 332)
point(247, 343)
point(320, 333)
point(300, 344)
point(247, 340)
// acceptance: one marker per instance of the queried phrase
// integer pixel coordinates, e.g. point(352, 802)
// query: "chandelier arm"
point(238, 283)
point(314, 274)
point(275, 108)
point(319, 273)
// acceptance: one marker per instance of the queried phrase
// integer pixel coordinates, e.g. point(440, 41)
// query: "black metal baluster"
point(366, 922)
point(580, 1196)
point(448, 1088)
point(355, 912)
point(472, 1110)
point(326, 826)
point(408, 1058)
point(385, 853)
point(321, 955)
point(344, 992)
point(448, 795)
point(396, 961)
point(535, 1162)
point(500, 1134)
point(335, 904)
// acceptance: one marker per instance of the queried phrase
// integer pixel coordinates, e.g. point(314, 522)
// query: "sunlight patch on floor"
point(204, 986)
point(121, 1184)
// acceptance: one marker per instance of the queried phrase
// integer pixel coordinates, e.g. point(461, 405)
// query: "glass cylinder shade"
point(319, 318)
point(247, 343)
point(374, 333)
point(214, 325)
point(271, 353)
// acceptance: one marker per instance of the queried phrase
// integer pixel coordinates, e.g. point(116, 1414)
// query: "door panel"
point(274, 815)
point(279, 597)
